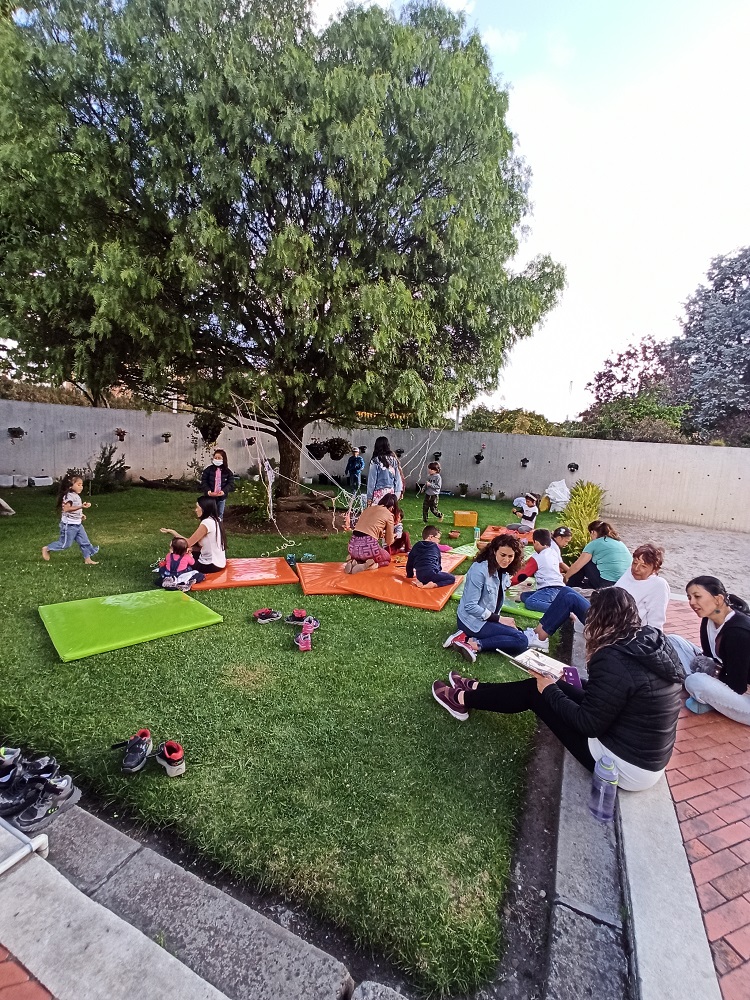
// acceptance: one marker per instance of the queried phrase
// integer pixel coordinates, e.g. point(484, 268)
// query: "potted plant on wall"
point(463, 489)
point(338, 448)
point(487, 491)
point(317, 449)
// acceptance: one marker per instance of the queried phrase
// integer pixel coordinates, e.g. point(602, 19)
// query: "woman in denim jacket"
point(385, 473)
point(480, 629)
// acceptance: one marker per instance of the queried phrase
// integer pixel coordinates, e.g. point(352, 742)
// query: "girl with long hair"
point(384, 476)
point(71, 509)
point(208, 541)
point(479, 627)
point(603, 561)
point(218, 480)
point(718, 672)
point(626, 710)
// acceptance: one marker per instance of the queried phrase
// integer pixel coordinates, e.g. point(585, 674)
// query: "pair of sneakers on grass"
point(299, 617)
point(139, 749)
point(32, 791)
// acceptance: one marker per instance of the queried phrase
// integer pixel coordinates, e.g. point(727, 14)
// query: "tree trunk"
point(289, 454)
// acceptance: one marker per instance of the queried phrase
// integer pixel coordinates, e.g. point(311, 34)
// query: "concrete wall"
point(663, 482)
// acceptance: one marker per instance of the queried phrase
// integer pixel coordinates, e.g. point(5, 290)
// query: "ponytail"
point(604, 530)
point(717, 589)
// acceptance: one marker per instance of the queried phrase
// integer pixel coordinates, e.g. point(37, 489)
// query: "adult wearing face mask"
point(218, 480)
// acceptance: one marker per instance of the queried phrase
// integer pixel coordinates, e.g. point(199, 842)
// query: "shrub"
point(109, 472)
point(584, 506)
point(253, 498)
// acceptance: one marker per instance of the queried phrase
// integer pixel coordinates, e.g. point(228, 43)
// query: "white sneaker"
point(535, 642)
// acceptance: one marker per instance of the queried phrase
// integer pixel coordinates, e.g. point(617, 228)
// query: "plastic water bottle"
point(476, 535)
point(604, 790)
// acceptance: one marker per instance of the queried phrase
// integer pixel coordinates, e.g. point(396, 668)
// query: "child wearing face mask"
point(218, 480)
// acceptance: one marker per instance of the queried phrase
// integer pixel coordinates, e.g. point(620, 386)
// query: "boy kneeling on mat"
point(423, 566)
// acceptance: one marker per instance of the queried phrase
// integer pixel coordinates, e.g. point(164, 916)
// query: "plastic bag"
point(559, 494)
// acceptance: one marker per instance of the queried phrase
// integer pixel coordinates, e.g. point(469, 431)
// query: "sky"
point(633, 120)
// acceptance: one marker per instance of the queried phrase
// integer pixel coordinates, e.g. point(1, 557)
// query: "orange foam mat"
point(394, 588)
point(493, 530)
point(330, 578)
point(249, 573)
point(322, 578)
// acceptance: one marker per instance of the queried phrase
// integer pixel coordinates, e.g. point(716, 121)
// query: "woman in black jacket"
point(718, 672)
point(218, 480)
point(627, 709)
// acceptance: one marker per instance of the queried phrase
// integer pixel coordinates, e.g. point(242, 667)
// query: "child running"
point(423, 566)
point(177, 571)
point(432, 492)
point(71, 522)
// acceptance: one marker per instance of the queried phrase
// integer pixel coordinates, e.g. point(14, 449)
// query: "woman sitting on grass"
point(603, 561)
point(208, 541)
point(480, 629)
point(718, 673)
point(374, 523)
point(627, 710)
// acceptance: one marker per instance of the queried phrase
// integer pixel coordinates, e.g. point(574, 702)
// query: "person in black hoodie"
point(627, 709)
point(718, 672)
point(218, 480)
point(424, 565)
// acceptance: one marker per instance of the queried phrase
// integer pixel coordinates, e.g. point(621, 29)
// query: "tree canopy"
point(518, 421)
point(199, 199)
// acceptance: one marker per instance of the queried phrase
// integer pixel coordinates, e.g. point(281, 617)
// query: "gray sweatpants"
point(710, 690)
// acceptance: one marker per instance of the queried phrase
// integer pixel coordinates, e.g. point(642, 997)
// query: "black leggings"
point(589, 576)
point(524, 696)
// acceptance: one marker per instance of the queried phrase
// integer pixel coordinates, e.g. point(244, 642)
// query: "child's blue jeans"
point(70, 533)
point(540, 600)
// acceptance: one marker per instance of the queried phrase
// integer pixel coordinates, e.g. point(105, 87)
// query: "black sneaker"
point(297, 617)
point(41, 769)
point(53, 798)
point(9, 757)
point(16, 794)
point(137, 750)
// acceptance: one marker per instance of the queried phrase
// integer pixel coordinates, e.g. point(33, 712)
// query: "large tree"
point(715, 346)
point(204, 199)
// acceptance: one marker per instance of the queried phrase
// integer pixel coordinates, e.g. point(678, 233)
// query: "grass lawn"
point(330, 776)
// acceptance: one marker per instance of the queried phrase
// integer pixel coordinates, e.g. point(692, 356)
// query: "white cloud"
point(559, 50)
point(634, 192)
point(502, 42)
point(467, 6)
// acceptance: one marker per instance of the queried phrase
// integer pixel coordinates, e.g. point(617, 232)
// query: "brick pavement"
point(709, 777)
point(16, 983)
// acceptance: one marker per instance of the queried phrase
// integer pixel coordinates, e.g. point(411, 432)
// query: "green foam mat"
point(96, 625)
point(465, 550)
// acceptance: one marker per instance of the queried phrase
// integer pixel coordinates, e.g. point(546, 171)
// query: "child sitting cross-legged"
point(177, 571)
point(423, 567)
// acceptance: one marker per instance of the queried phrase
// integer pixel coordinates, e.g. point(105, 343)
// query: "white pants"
point(710, 690)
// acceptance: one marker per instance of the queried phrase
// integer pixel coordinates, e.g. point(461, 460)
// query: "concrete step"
point(225, 942)
point(77, 947)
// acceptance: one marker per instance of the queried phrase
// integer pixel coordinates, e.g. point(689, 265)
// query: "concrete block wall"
point(664, 482)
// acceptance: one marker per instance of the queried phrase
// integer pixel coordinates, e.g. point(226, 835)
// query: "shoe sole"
point(450, 640)
point(173, 770)
point(469, 655)
point(458, 716)
point(40, 824)
point(265, 621)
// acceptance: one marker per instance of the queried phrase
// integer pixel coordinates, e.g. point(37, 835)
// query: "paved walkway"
point(16, 983)
point(709, 777)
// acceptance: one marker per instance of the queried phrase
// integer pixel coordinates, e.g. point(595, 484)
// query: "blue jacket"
point(382, 477)
point(424, 559)
point(354, 466)
point(483, 595)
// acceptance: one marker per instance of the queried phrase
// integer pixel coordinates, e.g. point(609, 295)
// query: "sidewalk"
point(709, 779)
point(16, 982)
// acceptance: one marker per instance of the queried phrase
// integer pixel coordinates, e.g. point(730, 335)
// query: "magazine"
point(532, 661)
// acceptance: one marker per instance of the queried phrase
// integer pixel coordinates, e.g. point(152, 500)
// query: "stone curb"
point(230, 945)
point(77, 948)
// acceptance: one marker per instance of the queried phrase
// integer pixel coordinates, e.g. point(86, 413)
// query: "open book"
point(539, 663)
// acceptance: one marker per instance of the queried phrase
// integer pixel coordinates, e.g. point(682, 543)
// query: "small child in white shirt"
point(526, 508)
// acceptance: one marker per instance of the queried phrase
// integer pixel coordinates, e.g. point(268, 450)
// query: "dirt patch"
point(693, 551)
point(239, 520)
point(248, 675)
